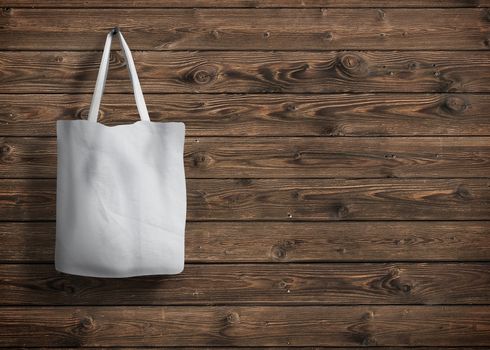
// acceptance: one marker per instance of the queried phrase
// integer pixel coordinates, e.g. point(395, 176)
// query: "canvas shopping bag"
point(121, 191)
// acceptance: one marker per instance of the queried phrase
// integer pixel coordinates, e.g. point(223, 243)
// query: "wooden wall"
point(337, 160)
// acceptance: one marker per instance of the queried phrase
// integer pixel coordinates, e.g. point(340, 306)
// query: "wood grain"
point(235, 242)
point(312, 284)
point(275, 348)
point(243, 3)
point(262, 114)
point(285, 157)
point(248, 72)
point(337, 163)
point(251, 325)
point(247, 29)
point(290, 199)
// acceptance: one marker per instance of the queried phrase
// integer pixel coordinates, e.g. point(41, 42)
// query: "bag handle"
point(102, 76)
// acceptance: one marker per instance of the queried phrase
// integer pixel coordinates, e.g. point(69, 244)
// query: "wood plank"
point(243, 3)
point(289, 199)
point(248, 29)
point(275, 348)
point(221, 284)
point(233, 242)
point(286, 157)
point(251, 325)
point(262, 115)
point(249, 72)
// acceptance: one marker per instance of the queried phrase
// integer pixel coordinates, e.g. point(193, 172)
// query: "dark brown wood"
point(313, 284)
point(337, 165)
point(285, 157)
point(242, 3)
point(251, 325)
point(290, 199)
point(275, 348)
point(248, 29)
point(228, 242)
point(249, 72)
point(262, 115)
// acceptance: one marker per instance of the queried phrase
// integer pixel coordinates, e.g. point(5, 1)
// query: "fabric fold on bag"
point(120, 190)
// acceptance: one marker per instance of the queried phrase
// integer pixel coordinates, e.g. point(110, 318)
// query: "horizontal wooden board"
point(290, 199)
point(275, 348)
point(249, 72)
point(242, 3)
point(228, 242)
point(247, 28)
point(262, 115)
point(286, 157)
point(312, 284)
point(250, 325)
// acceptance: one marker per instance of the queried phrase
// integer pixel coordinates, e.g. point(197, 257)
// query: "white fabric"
point(121, 191)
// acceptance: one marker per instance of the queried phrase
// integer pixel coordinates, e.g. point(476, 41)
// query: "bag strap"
point(102, 76)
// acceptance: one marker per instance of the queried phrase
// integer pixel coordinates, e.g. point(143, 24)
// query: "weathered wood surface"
point(279, 347)
point(243, 3)
point(247, 71)
point(248, 28)
point(262, 114)
point(256, 242)
point(290, 199)
point(337, 162)
point(251, 325)
point(285, 157)
point(291, 284)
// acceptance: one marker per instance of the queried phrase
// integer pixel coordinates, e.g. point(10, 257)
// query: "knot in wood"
point(328, 36)
point(82, 113)
point(462, 192)
point(87, 322)
point(5, 149)
point(285, 284)
point(368, 316)
point(290, 107)
point(215, 34)
point(199, 159)
point(6, 11)
point(352, 65)
point(244, 182)
point(297, 155)
point(342, 211)
point(64, 286)
point(369, 340)
point(350, 61)
point(394, 272)
point(278, 252)
point(486, 14)
point(412, 65)
point(455, 104)
point(233, 317)
point(202, 77)
point(5, 153)
point(117, 58)
point(406, 288)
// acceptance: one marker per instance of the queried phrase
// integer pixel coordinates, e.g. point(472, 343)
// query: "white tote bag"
point(121, 191)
